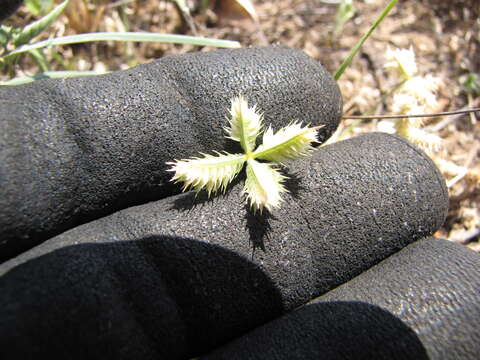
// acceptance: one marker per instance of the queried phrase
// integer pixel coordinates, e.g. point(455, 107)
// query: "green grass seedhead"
point(264, 182)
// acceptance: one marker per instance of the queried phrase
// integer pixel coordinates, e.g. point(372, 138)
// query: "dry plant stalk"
point(81, 18)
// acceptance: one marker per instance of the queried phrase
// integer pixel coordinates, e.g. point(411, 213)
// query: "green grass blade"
point(126, 36)
point(48, 75)
point(357, 47)
point(37, 27)
point(40, 59)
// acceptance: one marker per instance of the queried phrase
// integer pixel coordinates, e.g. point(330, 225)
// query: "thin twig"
point(371, 117)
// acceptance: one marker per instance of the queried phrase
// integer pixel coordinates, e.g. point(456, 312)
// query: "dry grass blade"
point(184, 9)
point(82, 17)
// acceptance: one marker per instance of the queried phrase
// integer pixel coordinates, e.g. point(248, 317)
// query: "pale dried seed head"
point(401, 62)
point(264, 183)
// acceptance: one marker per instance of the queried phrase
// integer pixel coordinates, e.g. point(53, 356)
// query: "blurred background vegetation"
point(445, 36)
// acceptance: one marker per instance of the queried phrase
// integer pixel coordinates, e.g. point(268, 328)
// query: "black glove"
point(420, 303)
point(182, 276)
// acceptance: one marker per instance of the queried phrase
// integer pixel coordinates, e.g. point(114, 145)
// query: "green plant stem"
point(39, 57)
point(357, 47)
point(126, 36)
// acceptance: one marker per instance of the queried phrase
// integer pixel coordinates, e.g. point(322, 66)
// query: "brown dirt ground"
point(444, 34)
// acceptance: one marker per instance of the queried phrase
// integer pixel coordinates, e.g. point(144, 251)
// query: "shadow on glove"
point(419, 303)
point(159, 297)
point(348, 330)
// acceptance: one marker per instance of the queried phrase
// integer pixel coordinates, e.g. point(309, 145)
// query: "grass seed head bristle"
point(264, 183)
point(245, 123)
point(263, 186)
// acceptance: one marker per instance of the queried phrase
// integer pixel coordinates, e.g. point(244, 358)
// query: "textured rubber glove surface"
point(178, 277)
point(73, 150)
point(420, 303)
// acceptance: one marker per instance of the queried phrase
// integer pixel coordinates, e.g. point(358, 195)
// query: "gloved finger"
point(172, 279)
point(77, 149)
point(420, 303)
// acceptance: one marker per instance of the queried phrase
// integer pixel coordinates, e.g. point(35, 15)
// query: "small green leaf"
point(37, 27)
point(34, 6)
point(289, 143)
point(471, 83)
point(263, 185)
point(245, 124)
point(39, 7)
point(210, 172)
